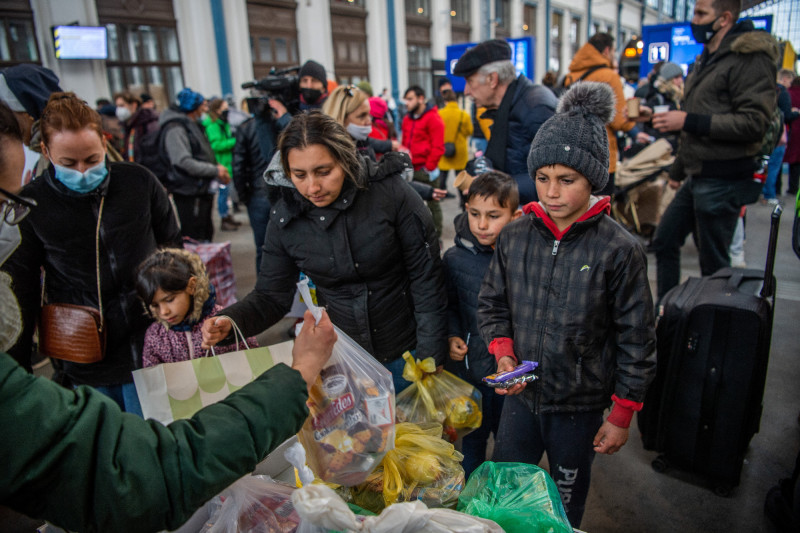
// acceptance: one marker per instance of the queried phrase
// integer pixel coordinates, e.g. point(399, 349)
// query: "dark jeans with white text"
point(567, 438)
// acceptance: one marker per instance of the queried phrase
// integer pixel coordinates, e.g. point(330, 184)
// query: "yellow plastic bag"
point(422, 466)
point(439, 398)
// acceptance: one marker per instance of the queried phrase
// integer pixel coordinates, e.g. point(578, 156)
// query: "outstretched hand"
point(313, 346)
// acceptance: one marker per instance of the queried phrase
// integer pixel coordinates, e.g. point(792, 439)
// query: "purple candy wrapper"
point(520, 374)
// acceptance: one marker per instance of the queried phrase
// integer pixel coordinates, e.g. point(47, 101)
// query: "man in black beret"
point(517, 106)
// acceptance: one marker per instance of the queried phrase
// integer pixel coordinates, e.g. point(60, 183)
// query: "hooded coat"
point(59, 235)
point(587, 57)
point(372, 254)
point(729, 98)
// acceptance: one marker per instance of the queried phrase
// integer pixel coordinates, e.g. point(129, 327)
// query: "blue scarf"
point(208, 308)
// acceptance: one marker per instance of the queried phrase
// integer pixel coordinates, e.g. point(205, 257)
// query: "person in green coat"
point(72, 457)
point(222, 142)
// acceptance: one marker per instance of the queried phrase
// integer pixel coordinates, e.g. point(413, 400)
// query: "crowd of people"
point(340, 189)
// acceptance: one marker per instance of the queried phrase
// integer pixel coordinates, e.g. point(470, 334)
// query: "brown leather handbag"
point(71, 332)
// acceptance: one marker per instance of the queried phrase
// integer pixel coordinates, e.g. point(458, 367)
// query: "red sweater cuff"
point(622, 411)
point(502, 347)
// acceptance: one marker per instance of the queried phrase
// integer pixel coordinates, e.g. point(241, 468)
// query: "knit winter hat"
point(315, 70)
point(188, 100)
point(670, 70)
point(27, 88)
point(576, 135)
point(378, 107)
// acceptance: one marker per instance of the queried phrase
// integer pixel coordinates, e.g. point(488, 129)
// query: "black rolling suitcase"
point(713, 338)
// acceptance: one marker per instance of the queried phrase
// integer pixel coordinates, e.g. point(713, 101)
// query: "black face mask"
point(311, 96)
point(224, 116)
point(703, 33)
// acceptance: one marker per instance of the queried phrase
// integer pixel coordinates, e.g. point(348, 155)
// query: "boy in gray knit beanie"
point(567, 287)
point(573, 143)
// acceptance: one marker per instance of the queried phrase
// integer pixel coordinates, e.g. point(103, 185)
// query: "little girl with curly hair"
point(174, 286)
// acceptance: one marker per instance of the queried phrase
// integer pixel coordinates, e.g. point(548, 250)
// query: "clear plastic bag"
point(520, 497)
point(439, 398)
point(321, 510)
point(351, 422)
point(422, 466)
point(254, 504)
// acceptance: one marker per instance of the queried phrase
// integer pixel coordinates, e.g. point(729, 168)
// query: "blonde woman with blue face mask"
point(349, 105)
point(95, 222)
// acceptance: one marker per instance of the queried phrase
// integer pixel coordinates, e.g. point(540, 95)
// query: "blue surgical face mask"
point(82, 182)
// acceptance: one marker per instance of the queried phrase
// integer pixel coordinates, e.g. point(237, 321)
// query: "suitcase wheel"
point(660, 464)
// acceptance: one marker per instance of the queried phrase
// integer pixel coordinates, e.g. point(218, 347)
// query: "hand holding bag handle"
point(72, 332)
point(238, 336)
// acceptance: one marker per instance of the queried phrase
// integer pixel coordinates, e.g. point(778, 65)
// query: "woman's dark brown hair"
point(307, 129)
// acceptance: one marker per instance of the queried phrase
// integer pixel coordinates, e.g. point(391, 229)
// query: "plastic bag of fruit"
point(422, 466)
point(440, 398)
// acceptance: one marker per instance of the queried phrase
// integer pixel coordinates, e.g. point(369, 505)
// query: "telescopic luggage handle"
point(768, 289)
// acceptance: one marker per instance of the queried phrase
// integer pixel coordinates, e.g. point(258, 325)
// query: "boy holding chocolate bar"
point(567, 288)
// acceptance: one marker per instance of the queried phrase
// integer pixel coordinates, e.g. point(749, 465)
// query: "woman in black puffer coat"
point(364, 237)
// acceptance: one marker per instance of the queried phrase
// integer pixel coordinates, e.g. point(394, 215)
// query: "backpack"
point(561, 89)
point(153, 155)
point(773, 135)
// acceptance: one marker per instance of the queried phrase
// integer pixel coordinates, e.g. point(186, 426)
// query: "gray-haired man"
point(517, 106)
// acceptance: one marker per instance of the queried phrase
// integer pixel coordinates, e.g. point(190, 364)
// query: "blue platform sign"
point(523, 52)
point(674, 42)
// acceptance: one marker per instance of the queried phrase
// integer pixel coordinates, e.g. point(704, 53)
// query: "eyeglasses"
point(349, 90)
point(15, 208)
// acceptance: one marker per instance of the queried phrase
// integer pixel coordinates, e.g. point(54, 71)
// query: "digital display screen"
point(674, 42)
point(80, 42)
point(523, 51)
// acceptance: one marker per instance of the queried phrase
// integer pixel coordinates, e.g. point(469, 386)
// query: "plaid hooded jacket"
point(580, 306)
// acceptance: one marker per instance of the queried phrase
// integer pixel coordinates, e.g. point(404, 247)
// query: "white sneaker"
point(737, 260)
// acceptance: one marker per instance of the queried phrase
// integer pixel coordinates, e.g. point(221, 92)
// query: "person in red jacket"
point(423, 135)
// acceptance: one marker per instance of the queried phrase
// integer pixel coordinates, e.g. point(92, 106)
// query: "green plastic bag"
point(521, 498)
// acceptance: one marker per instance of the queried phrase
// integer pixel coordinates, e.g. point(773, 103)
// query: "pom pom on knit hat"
point(576, 135)
point(188, 100)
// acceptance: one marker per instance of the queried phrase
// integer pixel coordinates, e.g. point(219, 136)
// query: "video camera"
point(282, 85)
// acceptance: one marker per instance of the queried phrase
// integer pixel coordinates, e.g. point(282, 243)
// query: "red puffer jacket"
point(424, 137)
